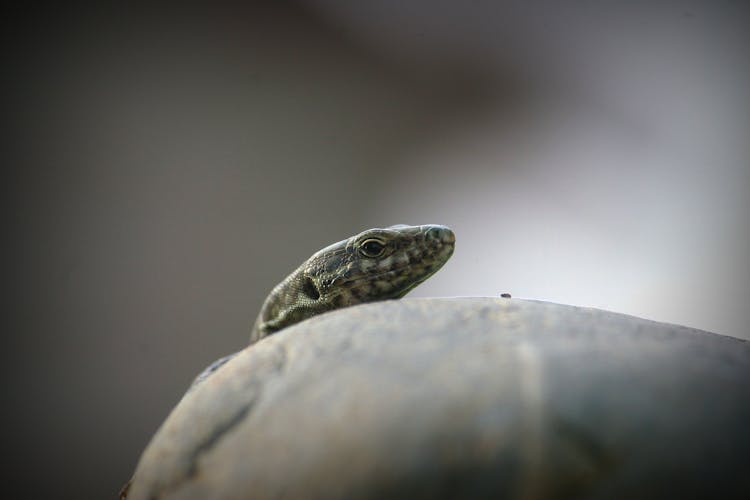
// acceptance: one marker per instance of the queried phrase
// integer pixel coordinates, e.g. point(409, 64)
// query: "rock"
point(463, 398)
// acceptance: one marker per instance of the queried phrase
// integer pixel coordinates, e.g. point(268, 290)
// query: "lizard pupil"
point(372, 248)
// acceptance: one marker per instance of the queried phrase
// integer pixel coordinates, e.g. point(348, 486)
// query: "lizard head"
point(376, 264)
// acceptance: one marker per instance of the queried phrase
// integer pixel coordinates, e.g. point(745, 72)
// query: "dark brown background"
point(169, 165)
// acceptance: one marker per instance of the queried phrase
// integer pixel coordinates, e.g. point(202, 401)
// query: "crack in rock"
point(213, 438)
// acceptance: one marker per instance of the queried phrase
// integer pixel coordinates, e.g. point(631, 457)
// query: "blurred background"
point(169, 165)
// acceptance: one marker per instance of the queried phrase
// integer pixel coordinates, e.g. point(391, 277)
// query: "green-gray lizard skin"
point(376, 264)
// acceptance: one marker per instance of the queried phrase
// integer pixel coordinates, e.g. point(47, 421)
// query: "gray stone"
point(463, 398)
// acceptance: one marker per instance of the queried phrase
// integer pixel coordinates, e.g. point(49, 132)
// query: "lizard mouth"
point(421, 273)
point(367, 278)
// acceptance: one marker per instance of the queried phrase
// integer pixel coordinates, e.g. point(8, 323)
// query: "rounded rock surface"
point(463, 398)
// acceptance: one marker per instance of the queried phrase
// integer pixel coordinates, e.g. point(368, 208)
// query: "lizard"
point(376, 264)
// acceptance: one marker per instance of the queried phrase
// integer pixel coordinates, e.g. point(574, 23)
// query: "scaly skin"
point(376, 264)
point(345, 274)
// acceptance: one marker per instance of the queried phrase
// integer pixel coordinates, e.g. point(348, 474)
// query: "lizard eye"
point(372, 248)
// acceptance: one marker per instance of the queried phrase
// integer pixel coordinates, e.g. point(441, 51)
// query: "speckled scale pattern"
point(343, 274)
